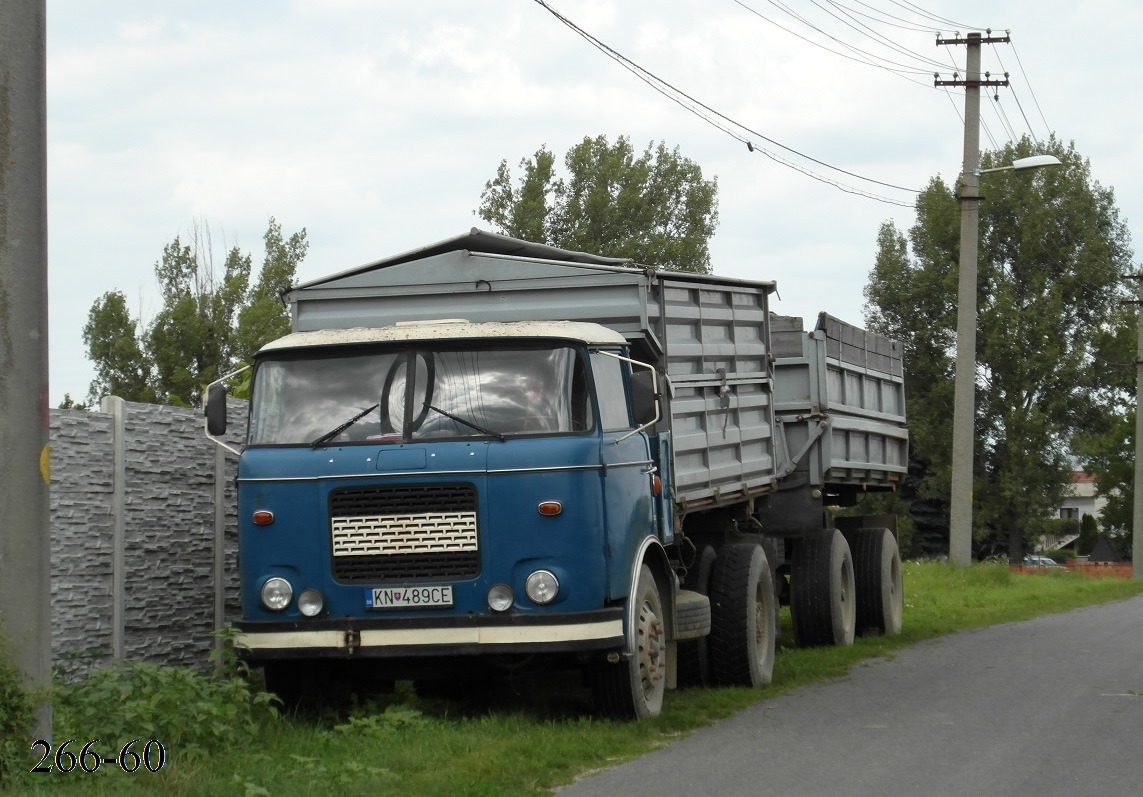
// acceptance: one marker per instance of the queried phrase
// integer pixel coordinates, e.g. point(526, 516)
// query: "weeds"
point(193, 712)
point(17, 714)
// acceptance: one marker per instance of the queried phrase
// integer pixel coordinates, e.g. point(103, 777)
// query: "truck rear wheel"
point(694, 655)
point(880, 587)
point(822, 599)
point(744, 617)
point(634, 688)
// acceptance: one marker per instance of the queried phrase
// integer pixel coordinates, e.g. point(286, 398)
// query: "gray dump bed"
point(839, 403)
point(711, 336)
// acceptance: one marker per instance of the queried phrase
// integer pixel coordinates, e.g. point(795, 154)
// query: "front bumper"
point(407, 637)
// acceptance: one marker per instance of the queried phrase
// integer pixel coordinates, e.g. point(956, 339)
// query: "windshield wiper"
point(332, 433)
point(469, 424)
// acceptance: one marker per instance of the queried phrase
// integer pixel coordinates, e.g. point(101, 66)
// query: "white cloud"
point(376, 125)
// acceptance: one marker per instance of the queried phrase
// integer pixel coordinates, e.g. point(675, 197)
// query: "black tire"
point(822, 595)
point(744, 617)
point(880, 587)
point(694, 655)
point(692, 616)
point(633, 688)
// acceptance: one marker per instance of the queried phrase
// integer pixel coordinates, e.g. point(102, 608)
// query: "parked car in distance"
point(1038, 560)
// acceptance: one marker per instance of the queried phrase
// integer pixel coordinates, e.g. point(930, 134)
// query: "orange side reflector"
point(656, 485)
point(550, 508)
point(262, 517)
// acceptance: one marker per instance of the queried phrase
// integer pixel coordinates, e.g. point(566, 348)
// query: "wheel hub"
point(652, 647)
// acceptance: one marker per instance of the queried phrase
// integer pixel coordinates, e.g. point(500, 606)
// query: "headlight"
point(500, 598)
point(276, 594)
point(310, 603)
point(542, 587)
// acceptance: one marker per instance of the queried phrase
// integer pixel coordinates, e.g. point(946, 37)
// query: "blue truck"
point(489, 454)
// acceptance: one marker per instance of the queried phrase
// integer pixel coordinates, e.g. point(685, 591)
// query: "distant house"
point(1083, 500)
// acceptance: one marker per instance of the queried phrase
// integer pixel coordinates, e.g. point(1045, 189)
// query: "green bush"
point(190, 712)
point(17, 715)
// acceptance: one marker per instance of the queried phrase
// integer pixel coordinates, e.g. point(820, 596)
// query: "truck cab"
point(431, 495)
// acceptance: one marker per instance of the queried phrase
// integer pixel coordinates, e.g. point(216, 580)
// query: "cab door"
point(629, 503)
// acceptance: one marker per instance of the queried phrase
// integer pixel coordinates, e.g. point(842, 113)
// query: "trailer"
point(489, 453)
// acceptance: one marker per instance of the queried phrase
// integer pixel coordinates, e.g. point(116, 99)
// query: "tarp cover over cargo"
point(709, 335)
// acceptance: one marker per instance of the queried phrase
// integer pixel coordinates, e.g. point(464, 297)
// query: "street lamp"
point(964, 386)
point(1020, 164)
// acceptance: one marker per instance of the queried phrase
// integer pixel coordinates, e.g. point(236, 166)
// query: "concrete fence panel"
point(144, 533)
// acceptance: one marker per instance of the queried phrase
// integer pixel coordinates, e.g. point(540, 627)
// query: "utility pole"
point(964, 389)
point(25, 543)
point(1137, 503)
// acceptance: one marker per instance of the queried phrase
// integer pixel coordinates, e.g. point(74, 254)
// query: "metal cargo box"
point(710, 336)
point(839, 402)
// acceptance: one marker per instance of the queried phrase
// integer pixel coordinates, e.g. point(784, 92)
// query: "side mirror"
point(643, 397)
point(215, 409)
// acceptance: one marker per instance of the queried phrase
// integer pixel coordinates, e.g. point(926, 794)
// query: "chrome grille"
point(421, 532)
point(406, 533)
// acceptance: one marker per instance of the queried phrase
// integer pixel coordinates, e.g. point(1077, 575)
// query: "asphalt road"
point(1052, 706)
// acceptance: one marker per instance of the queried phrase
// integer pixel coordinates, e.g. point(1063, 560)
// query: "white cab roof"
point(450, 329)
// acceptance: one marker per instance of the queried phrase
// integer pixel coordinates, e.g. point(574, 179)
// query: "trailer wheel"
point(822, 599)
point(634, 688)
point(880, 587)
point(694, 655)
point(744, 617)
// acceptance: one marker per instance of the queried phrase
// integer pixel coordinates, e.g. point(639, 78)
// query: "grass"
point(530, 739)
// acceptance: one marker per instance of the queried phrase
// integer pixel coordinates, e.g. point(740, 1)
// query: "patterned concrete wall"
point(82, 528)
point(165, 517)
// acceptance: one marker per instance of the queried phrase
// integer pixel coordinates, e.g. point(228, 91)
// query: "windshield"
point(394, 395)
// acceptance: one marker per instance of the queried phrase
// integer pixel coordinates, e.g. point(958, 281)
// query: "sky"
point(375, 124)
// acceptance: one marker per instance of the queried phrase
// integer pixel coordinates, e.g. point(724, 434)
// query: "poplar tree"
point(211, 320)
point(1053, 252)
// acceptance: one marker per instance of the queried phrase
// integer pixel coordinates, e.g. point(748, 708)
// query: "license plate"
point(408, 597)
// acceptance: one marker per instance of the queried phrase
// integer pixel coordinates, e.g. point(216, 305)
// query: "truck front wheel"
point(634, 688)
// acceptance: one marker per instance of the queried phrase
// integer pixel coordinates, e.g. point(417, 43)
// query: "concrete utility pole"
point(25, 543)
point(964, 389)
point(1137, 505)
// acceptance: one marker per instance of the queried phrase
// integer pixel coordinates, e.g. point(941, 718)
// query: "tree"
point(210, 321)
point(1088, 535)
point(191, 339)
point(1107, 445)
point(655, 208)
point(1052, 254)
point(114, 346)
point(264, 317)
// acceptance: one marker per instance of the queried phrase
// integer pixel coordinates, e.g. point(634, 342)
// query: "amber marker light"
point(656, 485)
point(550, 508)
point(263, 517)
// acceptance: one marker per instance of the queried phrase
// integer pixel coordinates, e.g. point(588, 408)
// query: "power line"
point(721, 121)
point(1019, 63)
point(867, 58)
point(923, 13)
point(865, 30)
point(898, 22)
point(1003, 116)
